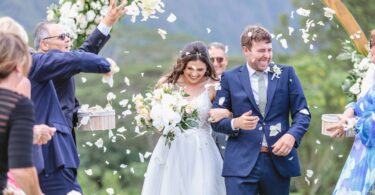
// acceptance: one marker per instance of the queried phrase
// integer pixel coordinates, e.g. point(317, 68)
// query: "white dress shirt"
point(254, 86)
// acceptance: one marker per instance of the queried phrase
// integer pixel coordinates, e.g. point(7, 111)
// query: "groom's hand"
point(284, 145)
point(246, 121)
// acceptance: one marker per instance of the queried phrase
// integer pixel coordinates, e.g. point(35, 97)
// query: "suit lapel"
point(271, 89)
point(245, 81)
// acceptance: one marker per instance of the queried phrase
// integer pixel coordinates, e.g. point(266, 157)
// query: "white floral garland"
point(352, 85)
point(82, 16)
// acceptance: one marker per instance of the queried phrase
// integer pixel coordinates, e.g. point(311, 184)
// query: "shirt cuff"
point(104, 28)
point(232, 125)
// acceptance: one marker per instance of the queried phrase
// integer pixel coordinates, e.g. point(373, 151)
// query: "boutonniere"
point(276, 70)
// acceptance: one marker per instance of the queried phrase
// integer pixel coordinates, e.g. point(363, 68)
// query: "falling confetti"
point(284, 44)
point(88, 172)
point(309, 173)
point(110, 191)
point(303, 12)
point(127, 82)
point(171, 18)
point(162, 33)
point(208, 30)
point(99, 143)
point(221, 101)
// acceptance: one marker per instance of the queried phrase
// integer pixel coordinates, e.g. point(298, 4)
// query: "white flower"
point(133, 11)
point(355, 89)
point(276, 70)
point(50, 14)
point(104, 10)
point(189, 108)
point(328, 12)
point(90, 16)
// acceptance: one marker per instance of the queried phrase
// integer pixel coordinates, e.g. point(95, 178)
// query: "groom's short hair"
point(254, 33)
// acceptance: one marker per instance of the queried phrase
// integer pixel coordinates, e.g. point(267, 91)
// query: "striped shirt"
point(16, 132)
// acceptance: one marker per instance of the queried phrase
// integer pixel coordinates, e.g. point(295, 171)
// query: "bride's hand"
point(217, 114)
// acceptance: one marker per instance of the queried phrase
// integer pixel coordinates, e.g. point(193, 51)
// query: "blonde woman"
point(16, 116)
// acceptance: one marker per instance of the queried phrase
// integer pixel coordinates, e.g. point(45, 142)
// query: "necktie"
point(262, 92)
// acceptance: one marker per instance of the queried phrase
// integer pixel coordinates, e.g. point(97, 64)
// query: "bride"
point(192, 164)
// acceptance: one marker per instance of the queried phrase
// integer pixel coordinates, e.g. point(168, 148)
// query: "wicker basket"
point(99, 120)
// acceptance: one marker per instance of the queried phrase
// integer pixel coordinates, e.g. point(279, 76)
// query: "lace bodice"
point(203, 103)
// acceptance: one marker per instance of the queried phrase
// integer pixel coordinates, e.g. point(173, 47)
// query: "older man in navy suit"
point(261, 156)
point(53, 93)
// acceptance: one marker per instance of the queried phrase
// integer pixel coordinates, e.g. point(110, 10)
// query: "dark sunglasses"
point(218, 60)
point(60, 36)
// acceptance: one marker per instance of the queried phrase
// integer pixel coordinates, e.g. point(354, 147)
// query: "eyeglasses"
point(60, 36)
point(217, 59)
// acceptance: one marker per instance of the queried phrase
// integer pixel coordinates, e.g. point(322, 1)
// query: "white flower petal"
point(275, 129)
point(208, 30)
point(221, 101)
point(171, 18)
point(162, 33)
point(110, 191)
point(309, 173)
point(88, 172)
point(304, 111)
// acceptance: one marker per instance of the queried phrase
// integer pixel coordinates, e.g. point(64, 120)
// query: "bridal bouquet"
point(352, 84)
point(166, 110)
point(82, 16)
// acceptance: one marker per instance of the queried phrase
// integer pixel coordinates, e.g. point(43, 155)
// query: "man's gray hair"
point(217, 45)
point(41, 32)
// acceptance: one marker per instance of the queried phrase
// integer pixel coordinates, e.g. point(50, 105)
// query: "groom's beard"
point(261, 64)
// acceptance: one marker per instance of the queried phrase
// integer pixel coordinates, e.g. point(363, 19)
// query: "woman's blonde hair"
point(8, 25)
point(13, 52)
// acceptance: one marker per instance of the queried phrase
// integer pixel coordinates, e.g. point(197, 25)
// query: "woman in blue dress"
point(358, 174)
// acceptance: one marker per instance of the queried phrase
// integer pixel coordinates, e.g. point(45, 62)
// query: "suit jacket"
point(285, 98)
point(57, 65)
point(65, 87)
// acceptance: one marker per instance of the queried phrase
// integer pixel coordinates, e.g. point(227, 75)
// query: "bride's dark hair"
point(193, 51)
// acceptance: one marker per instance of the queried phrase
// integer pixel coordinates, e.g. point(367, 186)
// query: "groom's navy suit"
point(285, 98)
point(59, 156)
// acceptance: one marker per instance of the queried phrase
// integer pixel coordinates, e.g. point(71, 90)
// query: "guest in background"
point(219, 58)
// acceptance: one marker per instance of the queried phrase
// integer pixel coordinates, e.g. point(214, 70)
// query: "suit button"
point(264, 123)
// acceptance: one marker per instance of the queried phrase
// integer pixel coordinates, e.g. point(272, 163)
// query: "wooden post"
point(350, 25)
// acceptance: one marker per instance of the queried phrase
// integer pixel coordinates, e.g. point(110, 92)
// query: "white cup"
point(329, 120)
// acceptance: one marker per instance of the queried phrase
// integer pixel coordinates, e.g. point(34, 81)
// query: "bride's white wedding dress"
point(192, 165)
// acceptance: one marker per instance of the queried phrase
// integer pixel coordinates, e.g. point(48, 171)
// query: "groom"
point(261, 156)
